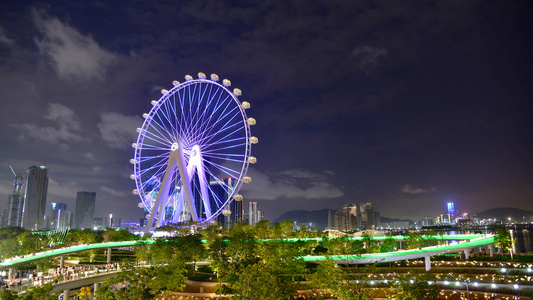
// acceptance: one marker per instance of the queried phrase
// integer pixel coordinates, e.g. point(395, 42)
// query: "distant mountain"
point(320, 217)
point(505, 213)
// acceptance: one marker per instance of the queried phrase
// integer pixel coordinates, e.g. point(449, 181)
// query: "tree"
point(275, 263)
point(7, 294)
point(504, 241)
point(84, 293)
point(262, 229)
point(143, 282)
point(112, 235)
point(389, 244)
point(415, 285)
point(41, 293)
point(330, 277)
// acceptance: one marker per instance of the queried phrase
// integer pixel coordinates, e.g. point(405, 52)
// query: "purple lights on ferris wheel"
point(194, 135)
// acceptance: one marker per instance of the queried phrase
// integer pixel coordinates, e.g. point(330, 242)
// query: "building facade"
point(84, 215)
point(253, 216)
point(35, 198)
point(60, 217)
point(15, 205)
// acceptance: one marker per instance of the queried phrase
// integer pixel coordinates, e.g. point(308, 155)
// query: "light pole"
point(467, 282)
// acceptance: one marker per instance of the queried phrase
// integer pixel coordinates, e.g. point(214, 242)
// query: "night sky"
point(407, 104)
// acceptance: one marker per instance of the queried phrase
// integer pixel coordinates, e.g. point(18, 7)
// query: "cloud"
point(116, 193)
point(368, 56)
point(411, 190)
point(68, 128)
point(4, 39)
point(291, 184)
point(72, 55)
point(118, 130)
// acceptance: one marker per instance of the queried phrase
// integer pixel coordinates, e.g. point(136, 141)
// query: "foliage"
point(143, 282)
point(415, 285)
point(80, 237)
point(342, 284)
point(414, 240)
point(112, 235)
point(504, 241)
point(389, 244)
point(84, 293)
point(7, 294)
point(40, 293)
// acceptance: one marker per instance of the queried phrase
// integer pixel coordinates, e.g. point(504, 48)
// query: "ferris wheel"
point(192, 152)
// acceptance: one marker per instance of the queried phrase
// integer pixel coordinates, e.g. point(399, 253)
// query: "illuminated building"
point(58, 214)
point(451, 211)
point(35, 199)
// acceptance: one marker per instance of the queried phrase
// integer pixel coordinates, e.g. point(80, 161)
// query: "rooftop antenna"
point(13, 170)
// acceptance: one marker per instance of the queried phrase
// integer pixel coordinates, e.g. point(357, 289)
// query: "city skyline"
point(407, 106)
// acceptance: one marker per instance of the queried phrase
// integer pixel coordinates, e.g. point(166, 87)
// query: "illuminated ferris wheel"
point(192, 152)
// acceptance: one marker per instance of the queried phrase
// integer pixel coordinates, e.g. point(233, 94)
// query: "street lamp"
point(467, 282)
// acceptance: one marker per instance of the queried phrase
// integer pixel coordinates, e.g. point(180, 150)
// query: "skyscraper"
point(57, 210)
point(252, 213)
point(35, 200)
point(84, 216)
point(367, 215)
point(15, 205)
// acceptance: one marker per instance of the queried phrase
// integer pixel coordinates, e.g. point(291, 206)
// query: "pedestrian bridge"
point(454, 243)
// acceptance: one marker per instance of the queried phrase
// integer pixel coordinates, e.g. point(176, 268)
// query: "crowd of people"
point(18, 280)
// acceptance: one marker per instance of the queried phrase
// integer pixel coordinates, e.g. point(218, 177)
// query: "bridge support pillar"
point(491, 250)
point(66, 294)
point(467, 253)
point(96, 287)
point(62, 261)
point(427, 260)
point(9, 274)
point(108, 255)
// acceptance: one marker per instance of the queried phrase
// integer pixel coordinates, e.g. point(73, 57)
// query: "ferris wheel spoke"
point(157, 139)
point(214, 132)
point(157, 129)
point(236, 142)
point(215, 119)
point(167, 115)
point(208, 114)
point(220, 137)
point(227, 171)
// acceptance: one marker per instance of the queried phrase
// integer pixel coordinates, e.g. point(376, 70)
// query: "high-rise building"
point(236, 211)
point(65, 219)
point(253, 216)
point(84, 216)
point(15, 205)
point(99, 224)
point(3, 218)
point(35, 199)
point(350, 216)
point(367, 215)
point(57, 210)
